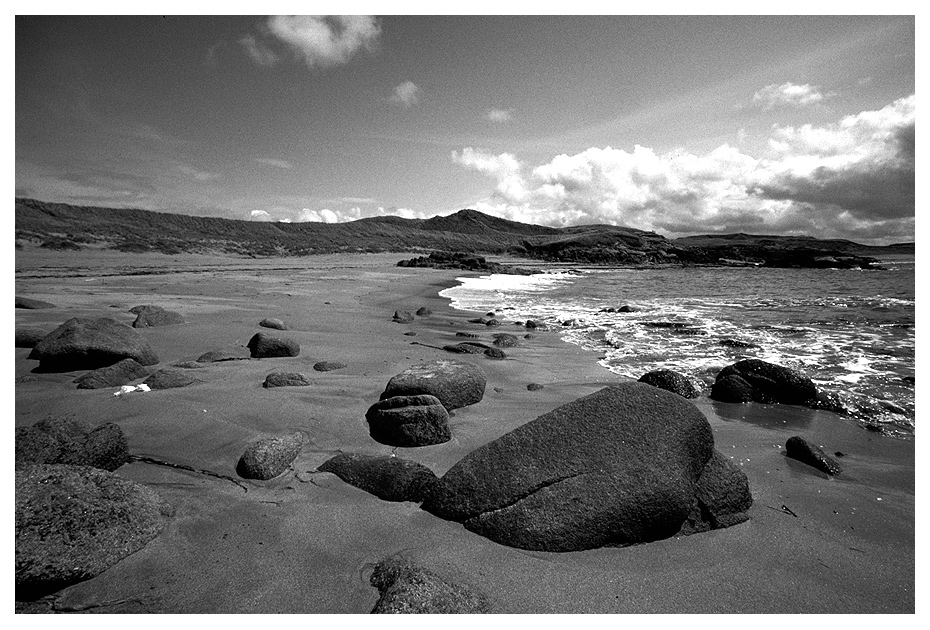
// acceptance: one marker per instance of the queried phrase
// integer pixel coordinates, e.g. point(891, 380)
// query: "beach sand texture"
point(306, 542)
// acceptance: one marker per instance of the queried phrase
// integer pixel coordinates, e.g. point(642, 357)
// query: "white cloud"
point(406, 94)
point(260, 215)
point(498, 115)
point(325, 41)
point(197, 174)
point(851, 179)
point(275, 162)
point(260, 54)
point(788, 94)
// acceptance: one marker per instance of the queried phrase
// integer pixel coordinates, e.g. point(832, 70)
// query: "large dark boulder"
point(769, 383)
point(616, 467)
point(30, 303)
point(74, 522)
point(800, 449)
point(169, 378)
point(88, 344)
point(418, 420)
point(731, 388)
point(670, 381)
point(63, 440)
point(150, 315)
point(29, 336)
point(265, 346)
point(269, 457)
point(114, 375)
point(406, 588)
point(387, 477)
point(454, 384)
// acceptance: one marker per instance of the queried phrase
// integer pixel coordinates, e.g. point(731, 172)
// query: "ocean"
point(851, 331)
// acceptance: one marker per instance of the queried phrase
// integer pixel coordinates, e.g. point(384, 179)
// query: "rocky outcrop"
point(264, 346)
point(63, 440)
point(415, 420)
point(150, 315)
point(29, 336)
point(455, 384)
point(387, 477)
point(74, 522)
point(30, 303)
point(267, 458)
point(670, 381)
point(273, 322)
point(285, 379)
point(88, 344)
point(763, 382)
point(409, 589)
point(616, 467)
point(114, 375)
point(800, 449)
point(462, 260)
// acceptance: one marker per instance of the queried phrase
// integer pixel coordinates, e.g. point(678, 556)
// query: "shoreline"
point(300, 543)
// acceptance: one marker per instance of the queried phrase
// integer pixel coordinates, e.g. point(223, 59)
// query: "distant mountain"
point(62, 226)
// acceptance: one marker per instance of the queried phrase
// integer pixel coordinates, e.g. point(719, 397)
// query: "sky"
point(678, 125)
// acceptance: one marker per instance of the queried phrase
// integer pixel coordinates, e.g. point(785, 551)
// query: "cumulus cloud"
point(788, 94)
point(851, 179)
point(406, 94)
point(324, 41)
point(498, 115)
point(260, 215)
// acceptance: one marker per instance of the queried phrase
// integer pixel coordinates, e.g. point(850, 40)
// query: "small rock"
point(416, 420)
point(529, 336)
point(28, 337)
point(410, 334)
point(388, 478)
point(467, 335)
point(113, 375)
point(285, 379)
point(492, 322)
point(328, 366)
point(269, 457)
point(671, 381)
point(424, 312)
point(534, 387)
point(169, 378)
point(505, 340)
point(155, 316)
point(29, 303)
point(800, 449)
point(467, 347)
point(408, 589)
point(495, 353)
point(224, 354)
point(530, 324)
point(273, 322)
point(403, 317)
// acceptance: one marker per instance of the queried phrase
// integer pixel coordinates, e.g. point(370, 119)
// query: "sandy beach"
point(305, 542)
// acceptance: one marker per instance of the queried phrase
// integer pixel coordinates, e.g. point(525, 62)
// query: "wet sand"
point(305, 542)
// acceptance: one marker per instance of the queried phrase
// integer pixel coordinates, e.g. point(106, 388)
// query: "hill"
point(62, 226)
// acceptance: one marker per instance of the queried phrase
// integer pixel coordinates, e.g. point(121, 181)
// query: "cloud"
point(200, 176)
point(498, 115)
point(852, 179)
point(260, 54)
point(322, 41)
point(260, 215)
point(406, 94)
point(275, 162)
point(788, 94)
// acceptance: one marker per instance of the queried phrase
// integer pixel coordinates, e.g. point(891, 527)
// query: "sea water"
point(851, 331)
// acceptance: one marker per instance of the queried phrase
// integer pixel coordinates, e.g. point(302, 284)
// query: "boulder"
point(800, 449)
point(409, 589)
point(114, 375)
point(169, 378)
point(670, 381)
point(225, 354)
point(273, 322)
point(505, 340)
point(285, 379)
point(63, 440)
point(29, 303)
point(731, 389)
point(771, 383)
point(156, 316)
point(74, 522)
point(264, 346)
point(616, 467)
point(424, 312)
point(455, 384)
point(267, 458)
point(88, 344)
point(387, 477)
point(28, 336)
point(495, 353)
point(530, 324)
point(416, 420)
point(328, 366)
point(722, 497)
point(403, 317)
